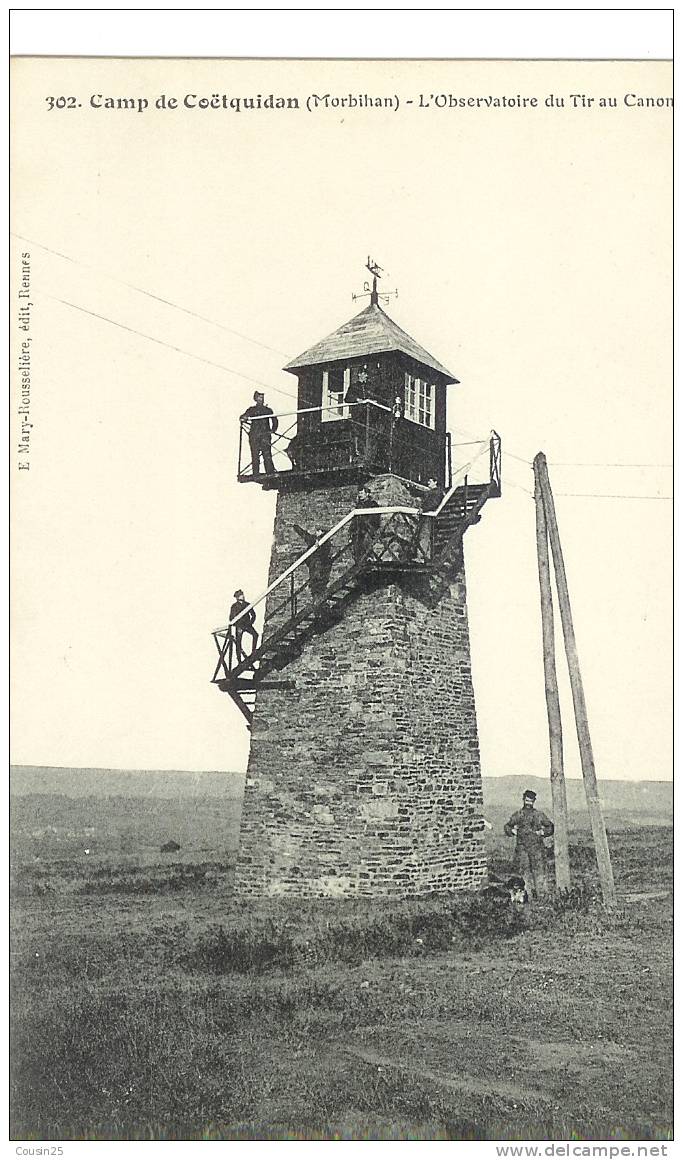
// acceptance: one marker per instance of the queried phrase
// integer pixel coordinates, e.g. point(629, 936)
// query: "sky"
point(180, 258)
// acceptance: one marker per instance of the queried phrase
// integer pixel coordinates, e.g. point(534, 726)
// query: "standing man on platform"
point(530, 827)
point(260, 423)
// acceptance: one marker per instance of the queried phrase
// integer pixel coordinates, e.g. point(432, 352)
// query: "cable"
point(553, 463)
point(511, 483)
point(289, 394)
point(595, 495)
point(667, 465)
point(178, 349)
point(584, 494)
point(519, 457)
point(462, 431)
point(459, 469)
point(149, 294)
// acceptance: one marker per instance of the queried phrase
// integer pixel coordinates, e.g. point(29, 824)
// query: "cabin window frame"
point(419, 399)
point(334, 408)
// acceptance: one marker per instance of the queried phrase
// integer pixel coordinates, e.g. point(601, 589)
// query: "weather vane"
point(375, 296)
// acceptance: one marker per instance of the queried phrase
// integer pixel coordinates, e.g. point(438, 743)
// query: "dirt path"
point(647, 896)
point(436, 1051)
point(466, 1083)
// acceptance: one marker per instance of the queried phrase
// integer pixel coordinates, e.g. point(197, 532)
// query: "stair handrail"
point(457, 482)
point(371, 511)
point(331, 407)
point(286, 437)
point(346, 519)
point(486, 445)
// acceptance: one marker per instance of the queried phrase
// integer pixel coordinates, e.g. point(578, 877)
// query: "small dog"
point(499, 908)
point(513, 889)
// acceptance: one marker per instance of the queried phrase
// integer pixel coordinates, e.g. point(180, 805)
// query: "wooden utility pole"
point(580, 713)
point(552, 696)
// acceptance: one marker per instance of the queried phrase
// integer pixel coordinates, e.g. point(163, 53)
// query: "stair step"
point(459, 513)
point(455, 517)
point(287, 640)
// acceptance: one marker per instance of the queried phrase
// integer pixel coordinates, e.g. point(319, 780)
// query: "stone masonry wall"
point(364, 778)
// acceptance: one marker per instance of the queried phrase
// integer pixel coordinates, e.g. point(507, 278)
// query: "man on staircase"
point(245, 624)
point(320, 563)
point(364, 528)
point(431, 501)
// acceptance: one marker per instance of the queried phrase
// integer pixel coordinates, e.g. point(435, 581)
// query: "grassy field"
point(149, 1004)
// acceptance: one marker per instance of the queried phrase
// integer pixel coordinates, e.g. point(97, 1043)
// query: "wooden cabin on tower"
point(363, 774)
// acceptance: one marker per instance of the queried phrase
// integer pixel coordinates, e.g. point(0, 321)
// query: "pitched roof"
point(369, 332)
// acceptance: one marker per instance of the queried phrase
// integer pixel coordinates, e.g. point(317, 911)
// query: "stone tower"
point(364, 774)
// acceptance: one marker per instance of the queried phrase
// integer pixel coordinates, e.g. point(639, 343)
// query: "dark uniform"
point(430, 503)
point(262, 423)
point(356, 391)
point(364, 528)
point(319, 564)
point(245, 626)
point(293, 450)
point(529, 827)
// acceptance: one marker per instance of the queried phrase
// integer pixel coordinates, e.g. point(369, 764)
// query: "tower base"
point(364, 775)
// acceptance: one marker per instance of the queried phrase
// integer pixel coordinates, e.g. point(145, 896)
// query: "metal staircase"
point(451, 524)
point(285, 641)
point(312, 593)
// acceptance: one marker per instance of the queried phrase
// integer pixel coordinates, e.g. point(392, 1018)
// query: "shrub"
point(490, 916)
point(312, 938)
point(579, 898)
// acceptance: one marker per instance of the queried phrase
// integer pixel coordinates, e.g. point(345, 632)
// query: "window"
point(335, 385)
point(420, 398)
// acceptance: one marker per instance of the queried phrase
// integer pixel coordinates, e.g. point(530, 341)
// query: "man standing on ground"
point(530, 827)
point(260, 423)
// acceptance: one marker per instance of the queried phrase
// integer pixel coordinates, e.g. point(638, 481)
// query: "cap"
point(239, 592)
point(529, 793)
